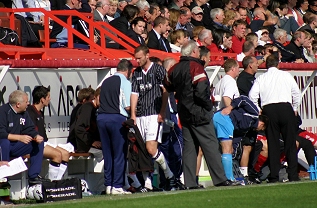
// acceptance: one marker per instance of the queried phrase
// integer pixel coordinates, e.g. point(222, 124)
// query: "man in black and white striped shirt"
point(148, 105)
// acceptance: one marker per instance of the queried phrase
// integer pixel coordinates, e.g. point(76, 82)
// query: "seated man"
point(18, 136)
point(61, 33)
point(242, 116)
point(84, 95)
point(86, 129)
point(59, 156)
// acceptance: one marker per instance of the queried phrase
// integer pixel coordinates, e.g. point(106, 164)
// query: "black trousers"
point(282, 121)
point(308, 149)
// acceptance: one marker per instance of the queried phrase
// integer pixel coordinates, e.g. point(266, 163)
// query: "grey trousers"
point(205, 137)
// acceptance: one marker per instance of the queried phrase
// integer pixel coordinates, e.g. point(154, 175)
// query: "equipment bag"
point(8, 36)
point(62, 190)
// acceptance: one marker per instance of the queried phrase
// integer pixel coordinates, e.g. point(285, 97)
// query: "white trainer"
point(119, 191)
point(108, 190)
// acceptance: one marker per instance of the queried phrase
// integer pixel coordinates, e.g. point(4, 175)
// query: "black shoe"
point(155, 189)
point(294, 179)
point(229, 183)
point(38, 180)
point(247, 181)
point(271, 180)
point(171, 184)
point(179, 184)
point(254, 180)
point(141, 189)
point(196, 187)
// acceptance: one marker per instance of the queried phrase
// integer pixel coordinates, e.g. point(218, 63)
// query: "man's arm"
point(161, 115)
point(226, 101)
point(133, 102)
point(254, 94)
point(295, 94)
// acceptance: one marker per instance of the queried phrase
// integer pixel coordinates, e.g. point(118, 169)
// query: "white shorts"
point(149, 128)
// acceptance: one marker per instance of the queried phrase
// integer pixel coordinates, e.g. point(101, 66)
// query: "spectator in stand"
point(311, 22)
point(173, 20)
point(206, 10)
point(261, 3)
point(85, 126)
point(217, 17)
point(287, 20)
point(57, 4)
point(291, 10)
point(308, 48)
point(178, 39)
point(250, 7)
point(60, 33)
point(243, 4)
point(222, 43)
point(205, 38)
point(136, 30)
point(121, 5)
point(197, 16)
point(238, 38)
point(123, 22)
point(312, 7)
point(247, 50)
point(280, 37)
point(114, 110)
point(252, 37)
point(262, 18)
point(144, 7)
point(176, 4)
point(235, 4)
point(154, 12)
point(18, 135)
point(149, 116)
point(92, 4)
point(165, 12)
point(195, 115)
point(184, 21)
point(58, 156)
point(100, 13)
point(187, 3)
point(227, 5)
point(300, 9)
point(196, 32)
point(244, 14)
point(263, 36)
point(296, 45)
point(156, 40)
point(280, 98)
point(230, 17)
point(112, 9)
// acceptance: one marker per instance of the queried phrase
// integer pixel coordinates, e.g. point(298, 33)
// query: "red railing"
point(87, 17)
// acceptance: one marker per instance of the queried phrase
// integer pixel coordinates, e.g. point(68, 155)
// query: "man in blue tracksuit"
point(18, 136)
point(241, 116)
point(113, 111)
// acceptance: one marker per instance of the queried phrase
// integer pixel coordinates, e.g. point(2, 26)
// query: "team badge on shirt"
point(10, 124)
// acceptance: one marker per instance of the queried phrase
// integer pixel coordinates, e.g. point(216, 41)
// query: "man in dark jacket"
point(191, 84)
point(18, 136)
point(60, 33)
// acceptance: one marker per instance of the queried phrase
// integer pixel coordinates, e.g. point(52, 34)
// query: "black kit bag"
point(60, 190)
point(8, 36)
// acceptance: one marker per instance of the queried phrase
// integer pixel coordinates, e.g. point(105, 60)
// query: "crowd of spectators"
point(167, 25)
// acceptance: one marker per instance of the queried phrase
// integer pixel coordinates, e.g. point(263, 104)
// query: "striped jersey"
point(115, 95)
point(147, 84)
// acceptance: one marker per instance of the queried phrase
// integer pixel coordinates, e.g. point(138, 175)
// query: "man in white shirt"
point(227, 89)
point(280, 98)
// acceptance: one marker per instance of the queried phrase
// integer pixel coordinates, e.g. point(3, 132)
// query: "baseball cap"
point(197, 10)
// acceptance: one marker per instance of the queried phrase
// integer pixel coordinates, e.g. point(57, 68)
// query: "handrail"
point(71, 31)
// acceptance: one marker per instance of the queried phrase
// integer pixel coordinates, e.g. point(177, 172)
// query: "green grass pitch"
point(290, 195)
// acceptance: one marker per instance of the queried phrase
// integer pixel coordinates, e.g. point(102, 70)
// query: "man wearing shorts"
point(148, 105)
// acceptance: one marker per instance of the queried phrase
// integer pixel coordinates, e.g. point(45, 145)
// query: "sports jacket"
point(191, 84)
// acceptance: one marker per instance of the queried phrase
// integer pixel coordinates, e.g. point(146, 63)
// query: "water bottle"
point(312, 172)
